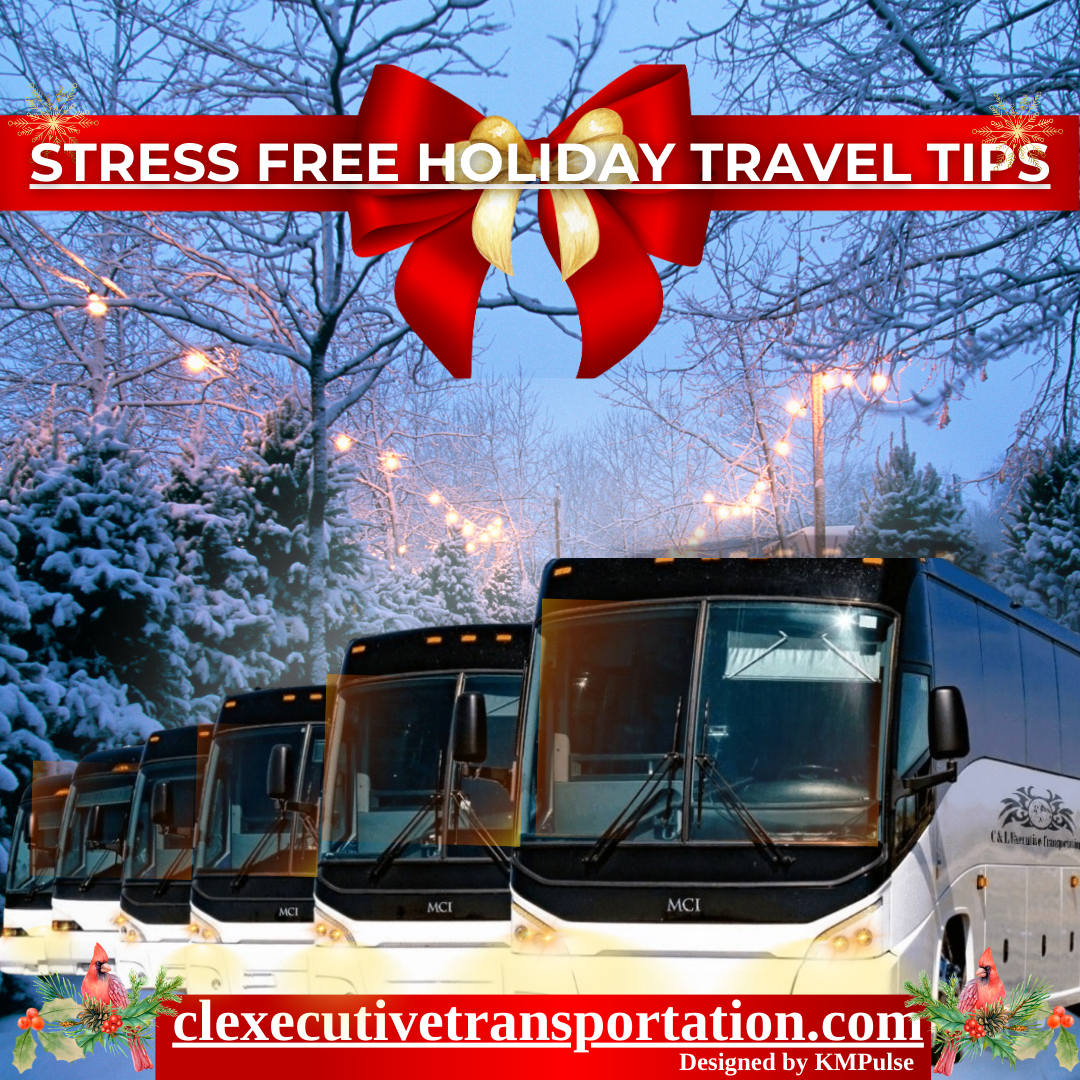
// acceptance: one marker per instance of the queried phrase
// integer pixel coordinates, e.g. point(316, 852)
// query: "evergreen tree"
point(1041, 557)
point(277, 473)
point(448, 579)
point(503, 595)
point(910, 514)
point(226, 615)
point(395, 599)
point(97, 569)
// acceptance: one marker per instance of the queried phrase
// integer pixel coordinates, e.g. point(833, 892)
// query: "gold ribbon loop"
point(600, 130)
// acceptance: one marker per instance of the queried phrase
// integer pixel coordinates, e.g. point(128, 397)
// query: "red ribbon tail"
point(618, 292)
point(437, 290)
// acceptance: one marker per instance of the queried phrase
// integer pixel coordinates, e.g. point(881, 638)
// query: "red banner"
point(629, 177)
point(581, 1036)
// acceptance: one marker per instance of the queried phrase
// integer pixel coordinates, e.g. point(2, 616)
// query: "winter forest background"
point(222, 452)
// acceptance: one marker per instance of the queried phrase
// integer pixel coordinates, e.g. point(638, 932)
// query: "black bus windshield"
point(163, 850)
point(94, 826)
point(390, 768)
point(774, 737)
point(32, 865)
point(242, 830)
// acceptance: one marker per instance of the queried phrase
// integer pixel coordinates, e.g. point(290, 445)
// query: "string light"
point(753, 498)
point(195, 361)
point(847, 379)
point(762, 485)
point(793, 407)
point(343, 442)
point(708, 497)
point(470, 547)
point(468, 528)
point(95, 305)
point(452, 518)
point(783, 448)
point(879, 383)
point(391, 461)
point(699, 532)
point(434, 498)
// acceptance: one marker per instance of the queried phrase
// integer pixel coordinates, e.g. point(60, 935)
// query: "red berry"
point(31, 1013)
point(1053, 1020)
point(23, 1022)
point(1066, 1021)
point(37, 1023)
point(1059, 1010)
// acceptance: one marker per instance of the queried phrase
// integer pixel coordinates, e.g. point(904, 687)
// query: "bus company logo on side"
point(288, 912)
point(1047, 812)
point(440, 907)
point(684, 905)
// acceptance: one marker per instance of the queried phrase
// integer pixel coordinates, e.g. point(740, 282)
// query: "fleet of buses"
point(687, 775)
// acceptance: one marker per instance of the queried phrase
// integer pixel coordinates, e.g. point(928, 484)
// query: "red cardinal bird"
point(101, 985)
point(983, 990)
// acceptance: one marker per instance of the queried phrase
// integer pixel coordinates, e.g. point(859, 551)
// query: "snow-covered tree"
point(1041, 557)
point(448, 578)
point(97, 569)
point(277, 473)
point(503, 595)
point(395, 598)
point(226, 614)
point(910, 513)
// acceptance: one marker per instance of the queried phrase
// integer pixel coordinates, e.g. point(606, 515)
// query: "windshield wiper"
point(257, 850)
point(404, 838)
point(754, 829)
point(628, 818)
point(89, 879)
point(163, 884)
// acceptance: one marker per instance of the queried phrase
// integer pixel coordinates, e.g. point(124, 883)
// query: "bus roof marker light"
point(124, 766)
point(561, 571)
point(288, 697)
point(663, 560)
point(468, 639)
point(504, 637)
point(230, 704)
point(874, 562)
point(356, 650)
point(317, 696)
point(435, 639)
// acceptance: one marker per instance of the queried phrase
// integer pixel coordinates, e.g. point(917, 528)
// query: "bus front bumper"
point(278, 967)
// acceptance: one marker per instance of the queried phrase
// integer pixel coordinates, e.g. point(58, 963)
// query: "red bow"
point(618, 293)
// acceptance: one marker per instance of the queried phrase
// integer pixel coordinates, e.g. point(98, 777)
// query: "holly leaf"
point(1036, 1043)
point(25, 1049)
point(1066, 1050)
point(87, 1040)
point(62, 1047)
point(60, 1009)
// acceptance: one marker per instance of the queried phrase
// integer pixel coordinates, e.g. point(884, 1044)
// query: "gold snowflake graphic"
point(46, 119)
point(1019, 125)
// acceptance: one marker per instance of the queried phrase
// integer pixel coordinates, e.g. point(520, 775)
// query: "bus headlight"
point(532, 936)
point(131, 934)
point(858, 938)
point(329, 931)
point(203, 932)
point(62, 926)
point(14, 931)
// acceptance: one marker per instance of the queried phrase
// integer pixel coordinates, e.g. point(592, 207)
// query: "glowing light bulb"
point(708, 497)
point(468, 528)
point(762, 485)
point(195, 361)
point(879, 383)
point(391, 462)
point(847, 379)
point(794, 407)
point(452, 518)
point(401, 549)
point(753, 498)
point(434, 498)
point(343, 442)
point(699, 532)
point(829, 381)
point(783, 448)
point(722, 513)
point(96, 306)
point(470, 547)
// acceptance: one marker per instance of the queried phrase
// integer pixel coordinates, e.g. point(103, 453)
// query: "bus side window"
point(914, 739)
point(912, 754)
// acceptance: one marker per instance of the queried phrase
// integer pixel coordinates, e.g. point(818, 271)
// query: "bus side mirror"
point(470, 729)
point(161, 804)
point(948, 724)
point(279, 772)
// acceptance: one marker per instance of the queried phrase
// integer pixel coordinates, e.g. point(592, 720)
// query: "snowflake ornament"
point(46, 119)
point(1019, 125)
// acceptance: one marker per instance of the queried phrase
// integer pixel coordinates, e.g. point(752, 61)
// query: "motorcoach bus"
point(412, 893)
point(257, 844)
point(86, 894)
point(155, 893)
point(30, 874)
point(794, 775)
